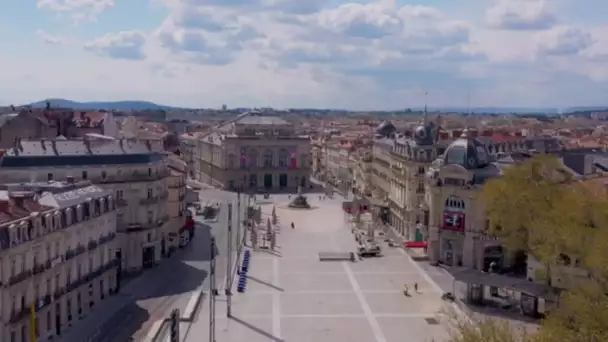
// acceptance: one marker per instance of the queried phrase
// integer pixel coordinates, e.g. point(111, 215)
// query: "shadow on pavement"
point(257, 330)
point(272, 286)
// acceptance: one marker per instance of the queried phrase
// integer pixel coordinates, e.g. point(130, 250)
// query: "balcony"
point(121, 202)
point(138, 227)
point(107, 238)
point(92, 245)
point(18, 315)
point(43, 302)
point(133, 177)
point(80, 249)
point(39, 269)
point(149, 200)
point(70, 254)
point(58, 293)
point(18, 278)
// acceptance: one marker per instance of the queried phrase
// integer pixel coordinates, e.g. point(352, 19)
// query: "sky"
point(384, 54)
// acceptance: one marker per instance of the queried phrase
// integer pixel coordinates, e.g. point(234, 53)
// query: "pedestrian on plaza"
point(416, 287)
point(293, 226)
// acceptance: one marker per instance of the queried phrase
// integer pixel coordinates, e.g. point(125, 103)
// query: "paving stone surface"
point(293, 297)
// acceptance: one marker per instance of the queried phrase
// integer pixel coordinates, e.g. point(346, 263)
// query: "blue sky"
point(315, 53)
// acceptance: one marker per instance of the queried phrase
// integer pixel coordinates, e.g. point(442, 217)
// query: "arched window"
point(268, 158)
point(303, 160)
point(253, 157)
point(231, 160)
point(283, 157)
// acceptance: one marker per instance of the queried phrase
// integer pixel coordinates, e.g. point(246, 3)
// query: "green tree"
point(581, 316)
point(528, 208)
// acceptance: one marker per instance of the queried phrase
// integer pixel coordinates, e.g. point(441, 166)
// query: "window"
point(13, 267)
point(119, 194)
point(283, 157)
point(84, 175)
point(68, 305)
point(149, 237)
point(49, 176)
point(104, 175)
point(268, 158)
point(48, 286)
point(150, 216)
point(48, 321)
point(149, 172)
point(149, 193)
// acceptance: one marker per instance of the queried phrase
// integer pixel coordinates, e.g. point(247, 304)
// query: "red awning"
point(415, 244)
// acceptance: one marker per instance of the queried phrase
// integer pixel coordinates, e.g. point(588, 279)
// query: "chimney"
point(487, 133)
point(444, 135)
point(473, 133)
point(18, 198)
point(70, 179)
point(456, 134)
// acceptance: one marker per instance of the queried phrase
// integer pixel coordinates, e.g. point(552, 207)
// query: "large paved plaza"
point(291, 296)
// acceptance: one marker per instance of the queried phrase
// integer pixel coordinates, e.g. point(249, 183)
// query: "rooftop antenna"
point(426, 96)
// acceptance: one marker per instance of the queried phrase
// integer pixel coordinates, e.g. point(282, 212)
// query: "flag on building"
point(243, 157)
point(293, 160)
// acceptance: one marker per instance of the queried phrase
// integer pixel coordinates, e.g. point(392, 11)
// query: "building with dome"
point(457, 223)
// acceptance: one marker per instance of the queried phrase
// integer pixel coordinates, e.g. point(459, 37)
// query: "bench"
point(336, 256)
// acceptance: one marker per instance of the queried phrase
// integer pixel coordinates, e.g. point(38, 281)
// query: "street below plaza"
point(152, 295)
point(292, 296)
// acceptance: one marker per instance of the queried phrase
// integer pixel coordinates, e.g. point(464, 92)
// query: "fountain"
point(300, 201)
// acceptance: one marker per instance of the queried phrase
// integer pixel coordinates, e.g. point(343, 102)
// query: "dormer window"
point(69, 217)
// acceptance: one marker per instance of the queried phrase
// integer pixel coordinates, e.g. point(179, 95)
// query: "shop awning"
point(415, 244)
point(472, 276)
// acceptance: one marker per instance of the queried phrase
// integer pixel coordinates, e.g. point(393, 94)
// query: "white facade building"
point(56, 254)
point(134, 171)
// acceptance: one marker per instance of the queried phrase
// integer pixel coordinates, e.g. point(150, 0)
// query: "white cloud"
point(122, 45)
point(51, 39)
point(520, 15)
point(564, 41)
point(77, 9)
point(376, 54)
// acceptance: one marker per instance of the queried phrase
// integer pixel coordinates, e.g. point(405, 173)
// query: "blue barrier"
point(241, 284)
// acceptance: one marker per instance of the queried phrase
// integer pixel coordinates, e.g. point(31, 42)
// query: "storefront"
point(504, 292)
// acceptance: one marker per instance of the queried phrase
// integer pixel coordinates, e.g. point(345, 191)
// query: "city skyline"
point(321, 54)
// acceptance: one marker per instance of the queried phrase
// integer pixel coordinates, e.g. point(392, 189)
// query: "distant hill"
point(107, 105)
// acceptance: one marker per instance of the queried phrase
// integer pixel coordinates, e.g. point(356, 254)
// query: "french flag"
point(243, 156)
point(293, 160)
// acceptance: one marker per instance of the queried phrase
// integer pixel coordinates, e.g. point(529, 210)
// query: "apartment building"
point(134, 171)
point(57, 255)
point(176, 203)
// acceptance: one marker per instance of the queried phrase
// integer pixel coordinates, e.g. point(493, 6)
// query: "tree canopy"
point(539, 207)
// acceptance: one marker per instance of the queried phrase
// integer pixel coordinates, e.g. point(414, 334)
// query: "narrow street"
point(152, 295)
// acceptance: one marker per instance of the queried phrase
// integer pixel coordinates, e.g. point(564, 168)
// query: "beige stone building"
point(255, 152)
point(57, 253)
point(176, 202)
point(135, 171)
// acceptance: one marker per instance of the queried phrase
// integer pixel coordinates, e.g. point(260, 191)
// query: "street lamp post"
point(229, 265)
point(212, 292)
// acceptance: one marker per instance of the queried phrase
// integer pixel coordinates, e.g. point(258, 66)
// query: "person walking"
point(292, 225)
point(416, 287)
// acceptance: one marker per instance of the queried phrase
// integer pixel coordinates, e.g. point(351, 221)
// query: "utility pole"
point(238, 225)
point(229, 265)
point(212, 292)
